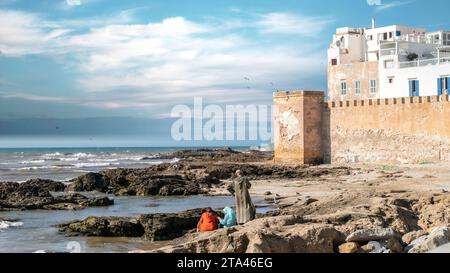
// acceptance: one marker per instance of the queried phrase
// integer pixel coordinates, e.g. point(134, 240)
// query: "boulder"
point(366, 235)
point(280, 234)
point(88, 182)
point(374, 247)
point(104, 226)
point(385, 246)
point(349, 248)
point(393, 244)
point(413, 235)
point(438, 236)
point(167, 226)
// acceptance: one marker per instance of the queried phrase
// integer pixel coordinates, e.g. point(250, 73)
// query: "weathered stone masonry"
point(297, 127)
point(401, 130)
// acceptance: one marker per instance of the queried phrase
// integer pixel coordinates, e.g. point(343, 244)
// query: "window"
point(373, 86)
point(413, 88)
point(370, 37)
point(333, 61)
point(358, 87)
point(343, 88)
point(443, 85)
point(398, 33)
point(389, 64)
point(391, 34)
point(391, 80)
point(385, 36)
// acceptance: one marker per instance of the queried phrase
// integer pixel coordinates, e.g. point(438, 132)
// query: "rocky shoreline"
point(189, 176)
point(358, 209)
point(367, 223)
point(196, 172)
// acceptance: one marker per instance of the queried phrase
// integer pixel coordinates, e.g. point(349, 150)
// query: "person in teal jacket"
point(230, 218)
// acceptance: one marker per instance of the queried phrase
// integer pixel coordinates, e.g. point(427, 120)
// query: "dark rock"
point(161, 227)
point(153, 227)
point(35, 194)
point(135, 182)
point(310, 201)
point(46, 184)
point(152, 205)
point(224, 154)
point(104, 227)
point(187, 177)
point(88, 182)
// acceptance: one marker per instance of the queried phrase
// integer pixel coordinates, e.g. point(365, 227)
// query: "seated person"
point(230, 218)
point(209, 221)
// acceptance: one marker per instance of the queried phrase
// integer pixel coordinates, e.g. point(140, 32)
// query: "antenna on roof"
point(374, 23)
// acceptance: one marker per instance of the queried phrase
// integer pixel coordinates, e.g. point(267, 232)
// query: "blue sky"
point(81, 59)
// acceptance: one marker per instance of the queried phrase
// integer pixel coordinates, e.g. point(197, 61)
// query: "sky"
point(72, 70)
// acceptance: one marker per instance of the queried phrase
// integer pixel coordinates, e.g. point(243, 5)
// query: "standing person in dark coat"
point(245, 210)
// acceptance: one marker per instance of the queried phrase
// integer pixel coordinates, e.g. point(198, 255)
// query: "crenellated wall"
point(396, 130)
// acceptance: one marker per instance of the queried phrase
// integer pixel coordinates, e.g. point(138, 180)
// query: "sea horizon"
point(66, 163)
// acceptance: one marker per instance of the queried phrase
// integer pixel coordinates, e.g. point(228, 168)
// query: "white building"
point(386, 62)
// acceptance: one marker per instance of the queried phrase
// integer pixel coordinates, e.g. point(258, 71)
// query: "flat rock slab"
point(365, 235)
point(442, 249)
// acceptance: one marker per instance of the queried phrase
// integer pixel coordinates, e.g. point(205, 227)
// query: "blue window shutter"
point(417, 88)
point(410, 88)
point(448, 85)
point(398, 33)
point(439, 85)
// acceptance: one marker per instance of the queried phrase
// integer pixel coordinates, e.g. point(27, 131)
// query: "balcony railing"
point(388, 52)
point(424, 62)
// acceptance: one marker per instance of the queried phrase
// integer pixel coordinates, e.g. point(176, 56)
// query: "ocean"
point(62, 164)
point(35, 231)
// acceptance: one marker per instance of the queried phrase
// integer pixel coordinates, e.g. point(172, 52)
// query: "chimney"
point(374, 23)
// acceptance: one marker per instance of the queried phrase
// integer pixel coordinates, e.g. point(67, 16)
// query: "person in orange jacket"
point(209, 221)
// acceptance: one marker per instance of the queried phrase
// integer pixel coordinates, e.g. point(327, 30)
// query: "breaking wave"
point(99, 164)
point(32, 162)
point(8, 224)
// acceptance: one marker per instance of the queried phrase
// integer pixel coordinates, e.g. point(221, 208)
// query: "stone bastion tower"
point(297, 127)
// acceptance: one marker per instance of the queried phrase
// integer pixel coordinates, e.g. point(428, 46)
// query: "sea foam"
point(8, 224)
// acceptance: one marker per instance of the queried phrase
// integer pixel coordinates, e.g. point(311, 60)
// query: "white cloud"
point(292, 24)
point(392, 5)
point(126, 65)
point(24, 33)
point(381, 6)
point(91, 102)
point(73, 2)
point(373, 2)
